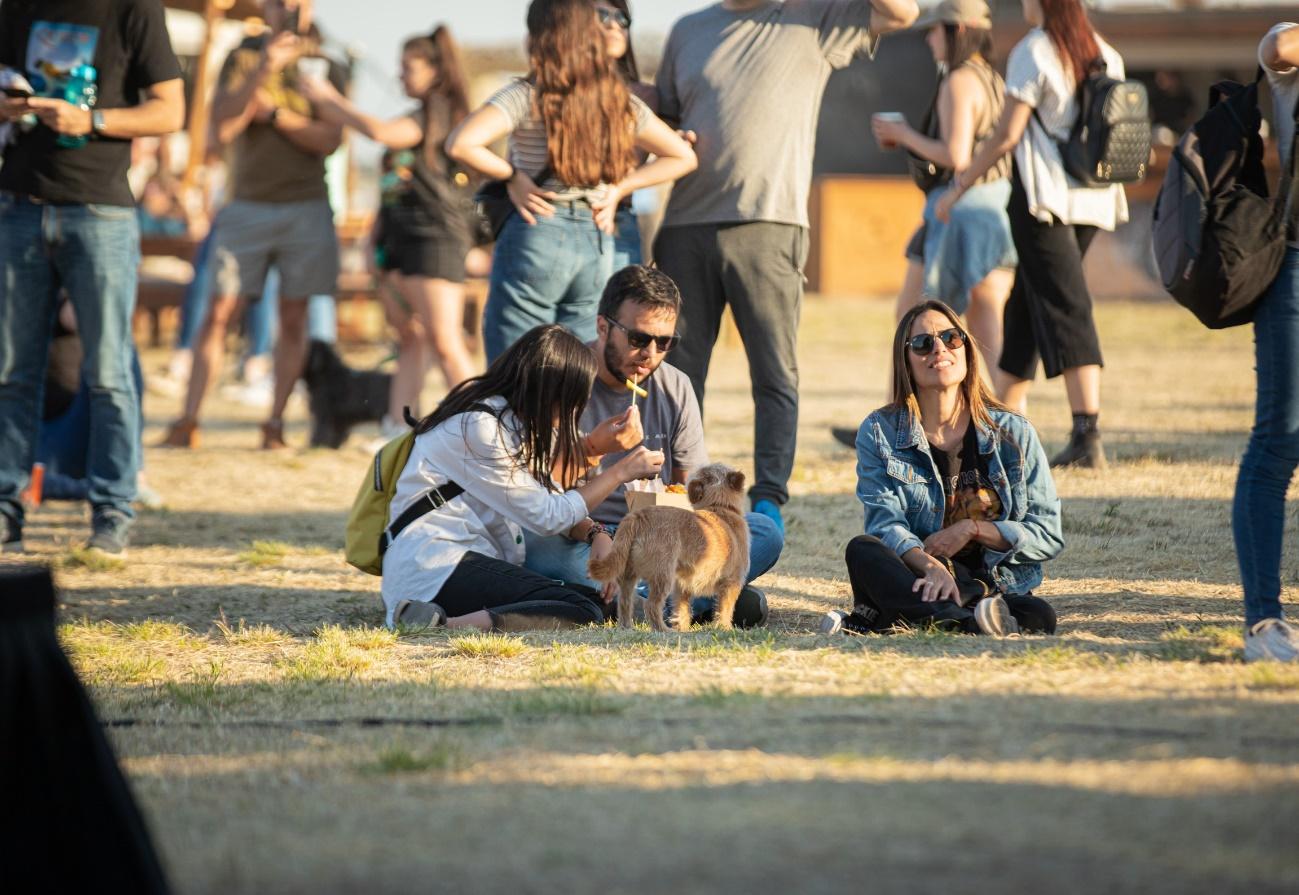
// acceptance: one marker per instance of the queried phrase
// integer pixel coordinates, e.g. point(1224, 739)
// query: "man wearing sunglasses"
point(743, 79)
point(636, 328)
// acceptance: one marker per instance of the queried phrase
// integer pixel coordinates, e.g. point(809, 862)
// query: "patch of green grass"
point(265, 553)
point(251, 635)
point(716, 696)
point(487, 646)
point(333, 655)
point(203, 689)
point(760, 645)
point(160, 632)
point(550, 702)
point(1057, 656)
point(127, 669)
point(1206, 644)
point(1271, 676)
point(90, 560)
point(442, 755)
point(574, 665)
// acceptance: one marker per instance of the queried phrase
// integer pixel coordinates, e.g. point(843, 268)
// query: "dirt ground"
point(280, 741)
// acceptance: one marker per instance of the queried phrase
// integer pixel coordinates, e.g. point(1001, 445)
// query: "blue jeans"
point(64, 442)
point(549, 272)
point(91, 252)
point(562, 559)
point(1258, 512)
point(626, 241)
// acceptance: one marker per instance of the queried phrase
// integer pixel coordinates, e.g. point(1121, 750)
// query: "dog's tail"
point(611, 567)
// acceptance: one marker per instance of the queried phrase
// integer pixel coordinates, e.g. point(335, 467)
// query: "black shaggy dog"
point(340, 396)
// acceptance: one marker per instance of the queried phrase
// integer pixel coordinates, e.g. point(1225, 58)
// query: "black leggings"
point(1049, 313)
point(883, 582)
point(481, 582)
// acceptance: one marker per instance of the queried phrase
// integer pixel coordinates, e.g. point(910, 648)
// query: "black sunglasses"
point(923, 344)
point(640, 341)
point(617, 16)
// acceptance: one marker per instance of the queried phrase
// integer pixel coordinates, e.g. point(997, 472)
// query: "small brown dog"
point(681, 552)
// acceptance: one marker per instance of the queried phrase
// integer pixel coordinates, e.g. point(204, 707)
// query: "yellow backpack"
point(368, 521)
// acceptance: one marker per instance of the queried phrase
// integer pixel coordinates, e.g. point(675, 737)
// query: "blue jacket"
point(899, 486)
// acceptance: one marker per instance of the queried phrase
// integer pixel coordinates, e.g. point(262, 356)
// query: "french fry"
point(635, 390)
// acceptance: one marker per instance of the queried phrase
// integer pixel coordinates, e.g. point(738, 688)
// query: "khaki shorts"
point(297, 238)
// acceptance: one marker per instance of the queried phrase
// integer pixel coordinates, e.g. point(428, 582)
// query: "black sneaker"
point(109, 532)
point(750, 610)
point(1084, 451)
point(845, 436)
point(13, 535)
point(860, 621)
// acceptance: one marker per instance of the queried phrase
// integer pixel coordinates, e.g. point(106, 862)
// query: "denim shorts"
point(298, 238)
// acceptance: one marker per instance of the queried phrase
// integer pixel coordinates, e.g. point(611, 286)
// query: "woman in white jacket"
point(503, 452)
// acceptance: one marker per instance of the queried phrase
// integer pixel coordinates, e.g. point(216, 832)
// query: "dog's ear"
point(735, 480)
point(695, 491)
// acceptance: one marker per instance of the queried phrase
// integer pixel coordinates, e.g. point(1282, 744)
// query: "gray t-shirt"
point(749, 84)
point(672, 424)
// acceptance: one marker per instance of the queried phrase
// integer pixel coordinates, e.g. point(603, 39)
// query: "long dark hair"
point(545, 379)
point(978, 396)
point(964, 43)
point(447, 102)
point(627, 64)
point(1066, 23)
point(580, 96)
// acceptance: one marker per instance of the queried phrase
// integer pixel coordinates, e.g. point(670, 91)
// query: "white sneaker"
point(1272, 639)
point(993, 617)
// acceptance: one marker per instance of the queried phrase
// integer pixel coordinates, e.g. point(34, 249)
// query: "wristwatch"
point(97, 122)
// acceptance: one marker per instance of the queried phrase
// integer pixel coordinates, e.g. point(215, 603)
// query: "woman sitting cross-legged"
point(497, 449)
point(961, 510)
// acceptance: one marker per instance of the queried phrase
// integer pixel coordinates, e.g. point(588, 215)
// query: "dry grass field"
point(281, 741)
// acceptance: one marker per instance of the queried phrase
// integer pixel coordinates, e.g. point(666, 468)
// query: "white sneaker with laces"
point(1272, 639)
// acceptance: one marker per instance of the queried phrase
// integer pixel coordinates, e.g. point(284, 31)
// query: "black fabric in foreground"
point(67, 818)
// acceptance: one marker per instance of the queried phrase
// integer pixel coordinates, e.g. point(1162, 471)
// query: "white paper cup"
point(897, 117)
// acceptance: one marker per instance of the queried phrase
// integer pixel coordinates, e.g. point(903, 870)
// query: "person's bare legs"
point(412, 353)
point(290, 361)
point(1013, 392)
point(210, 350)
point(440, 306)
point(478, 621)
point(1083, 386)
point(985, 318)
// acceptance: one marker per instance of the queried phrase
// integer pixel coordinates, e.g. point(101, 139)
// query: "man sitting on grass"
point(636, 328)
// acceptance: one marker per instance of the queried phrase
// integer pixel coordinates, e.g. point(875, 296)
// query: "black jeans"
point(1049, 313)
point(482, 582)
point(756, 268)
point(883, 582)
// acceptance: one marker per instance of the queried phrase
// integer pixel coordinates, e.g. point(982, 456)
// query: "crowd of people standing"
point(530, 457)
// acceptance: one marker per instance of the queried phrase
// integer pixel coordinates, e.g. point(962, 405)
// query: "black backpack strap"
point(427, 503)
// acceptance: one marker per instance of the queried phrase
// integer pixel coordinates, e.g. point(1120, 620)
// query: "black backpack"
point(1219, 240)
point(1110, 140)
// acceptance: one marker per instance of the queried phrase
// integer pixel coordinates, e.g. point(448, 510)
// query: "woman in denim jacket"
point(961, 510)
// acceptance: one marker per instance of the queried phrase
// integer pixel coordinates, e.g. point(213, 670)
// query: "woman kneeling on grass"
point(495, 449)
point(961, 509)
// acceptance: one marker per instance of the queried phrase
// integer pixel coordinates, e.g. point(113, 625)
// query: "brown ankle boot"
point(273, 435)
point(181, 434)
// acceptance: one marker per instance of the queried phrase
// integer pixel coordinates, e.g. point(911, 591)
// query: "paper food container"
point(638, 500)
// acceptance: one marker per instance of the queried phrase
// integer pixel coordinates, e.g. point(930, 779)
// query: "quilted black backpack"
point(1110, 140)
point(1219, 239)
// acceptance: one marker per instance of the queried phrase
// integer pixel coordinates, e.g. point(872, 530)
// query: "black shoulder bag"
point(494, 203)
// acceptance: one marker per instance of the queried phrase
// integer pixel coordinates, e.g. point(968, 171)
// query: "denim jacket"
point(900, 487)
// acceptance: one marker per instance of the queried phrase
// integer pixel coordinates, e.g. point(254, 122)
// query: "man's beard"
point(612, 363)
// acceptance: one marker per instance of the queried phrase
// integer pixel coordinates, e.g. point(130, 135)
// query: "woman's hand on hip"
point(529, 199)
